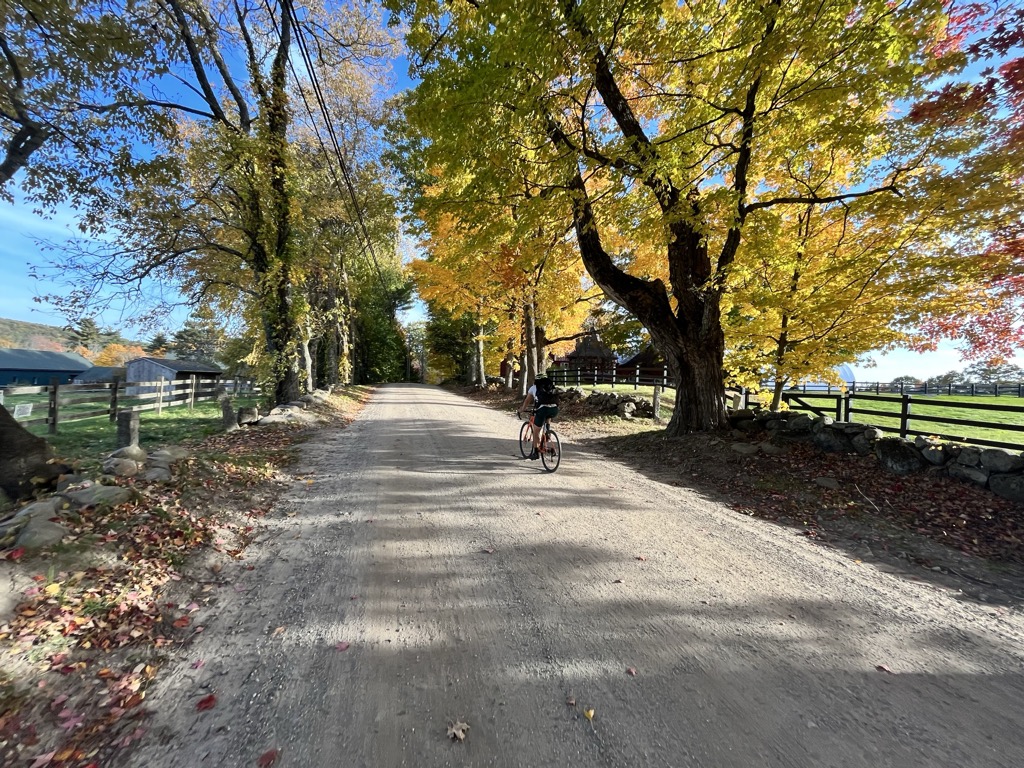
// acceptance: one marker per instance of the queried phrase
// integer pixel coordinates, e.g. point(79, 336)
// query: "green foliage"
point(995, 373)
point(200, 338)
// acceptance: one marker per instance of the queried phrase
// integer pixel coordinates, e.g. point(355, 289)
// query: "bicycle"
point(550, 445)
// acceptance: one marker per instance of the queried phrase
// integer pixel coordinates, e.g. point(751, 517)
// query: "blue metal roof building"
point(33, 367)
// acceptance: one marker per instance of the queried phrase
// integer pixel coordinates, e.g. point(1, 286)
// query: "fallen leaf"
point(353, 597)
point(589, 714)
point(42, 760)
point(618, 581)
point(197, 663)
point(268, 758)
point(571, 701)
point(883, 668)
point(487, 551)
point(184, 621)
point(342, 646)
point(278, 631)
point(52, 590)
point(16, 554)
point(640, 557)
point(631, 671)
point(207, 702)
point(457, 731)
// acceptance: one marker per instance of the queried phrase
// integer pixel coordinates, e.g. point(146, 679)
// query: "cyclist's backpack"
point(546, 392)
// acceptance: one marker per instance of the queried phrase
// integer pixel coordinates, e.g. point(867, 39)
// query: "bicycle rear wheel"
point(525, 439)
point(551, 456)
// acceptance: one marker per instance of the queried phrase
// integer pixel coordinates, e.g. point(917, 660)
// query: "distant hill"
point(22, 335)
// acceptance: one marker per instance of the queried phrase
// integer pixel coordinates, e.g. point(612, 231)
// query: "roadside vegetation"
point(93, 617)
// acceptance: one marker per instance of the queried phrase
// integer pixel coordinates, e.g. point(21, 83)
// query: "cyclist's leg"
point(539, 417)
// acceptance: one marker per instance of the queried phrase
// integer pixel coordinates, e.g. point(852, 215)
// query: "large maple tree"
point(679, 125)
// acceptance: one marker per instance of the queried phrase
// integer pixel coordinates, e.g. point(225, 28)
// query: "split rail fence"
point(76, 402)
point(910, 416)
point(904, 409)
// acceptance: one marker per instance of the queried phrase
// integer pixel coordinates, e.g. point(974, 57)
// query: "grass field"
point(941, 406)
point(90, 438)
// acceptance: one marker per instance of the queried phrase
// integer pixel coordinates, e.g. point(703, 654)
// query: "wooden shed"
point(156, 368)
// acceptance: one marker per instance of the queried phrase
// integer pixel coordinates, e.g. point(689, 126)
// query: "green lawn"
point(942, 406)
point(90, 438)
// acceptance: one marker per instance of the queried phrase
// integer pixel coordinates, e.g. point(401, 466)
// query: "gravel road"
point(472, 586)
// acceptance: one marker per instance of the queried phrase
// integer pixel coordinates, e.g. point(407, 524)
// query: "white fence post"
point(192, 392)
point(160, 397)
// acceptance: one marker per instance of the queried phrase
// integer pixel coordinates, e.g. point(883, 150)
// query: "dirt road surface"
point(752, 646)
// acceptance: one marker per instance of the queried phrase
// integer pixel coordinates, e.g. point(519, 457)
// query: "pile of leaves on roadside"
point(87, 639)
point(812, 490)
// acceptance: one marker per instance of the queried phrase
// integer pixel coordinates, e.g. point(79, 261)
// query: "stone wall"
point(999, 470)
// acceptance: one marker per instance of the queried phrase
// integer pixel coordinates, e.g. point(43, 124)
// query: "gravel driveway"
point(471, 586)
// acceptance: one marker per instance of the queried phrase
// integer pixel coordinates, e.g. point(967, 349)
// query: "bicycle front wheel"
point(551, 456)
point(525, 439)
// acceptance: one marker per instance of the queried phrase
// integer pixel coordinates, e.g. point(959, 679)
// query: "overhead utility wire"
point(307, 60)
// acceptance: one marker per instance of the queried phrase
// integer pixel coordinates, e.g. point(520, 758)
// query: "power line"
point(307, 60)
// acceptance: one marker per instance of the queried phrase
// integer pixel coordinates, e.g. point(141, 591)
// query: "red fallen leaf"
point(184, 621)
point(631, 671)
point(487, 551)
point(883, 668)
point(207, 702)
point(16, 554)
point(197, 663)
point(268, 758)
point(343, 646)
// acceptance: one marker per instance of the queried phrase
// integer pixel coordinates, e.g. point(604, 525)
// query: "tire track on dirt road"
point(752, 646)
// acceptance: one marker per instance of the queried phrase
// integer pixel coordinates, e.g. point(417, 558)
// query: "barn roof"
point(591, 347)
point(38, 360)
point(180, 366)
point(101, 373)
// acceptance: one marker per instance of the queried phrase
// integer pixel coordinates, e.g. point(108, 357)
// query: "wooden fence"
point(974, 389)
point(634, 376)
point(76, 402)
point(905, 416)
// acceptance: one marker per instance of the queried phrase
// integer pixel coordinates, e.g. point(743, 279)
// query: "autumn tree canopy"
point(669, 130)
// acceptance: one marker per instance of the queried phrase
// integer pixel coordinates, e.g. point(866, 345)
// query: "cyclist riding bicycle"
point(545, 397)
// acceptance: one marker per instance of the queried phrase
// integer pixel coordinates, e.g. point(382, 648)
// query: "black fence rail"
point(626, 376)
point(910, 416)
point(975, 389)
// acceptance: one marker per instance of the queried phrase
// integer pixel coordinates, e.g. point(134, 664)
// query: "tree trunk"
point(481, 371)
point(777, 389)
point(542, 351)
point(524, 383)
point(691, 337)
point(289, 385)
point(308, 368)
point(530, 373)
point(509, 370)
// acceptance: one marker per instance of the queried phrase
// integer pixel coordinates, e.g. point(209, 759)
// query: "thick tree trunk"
point(691, 337)
point(524, 382)
point(287, 342)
